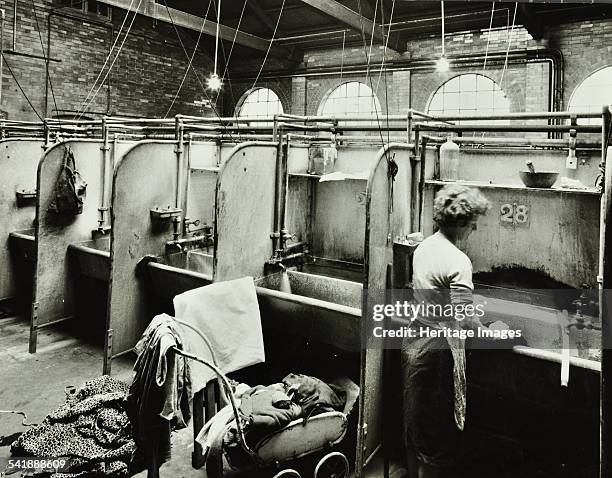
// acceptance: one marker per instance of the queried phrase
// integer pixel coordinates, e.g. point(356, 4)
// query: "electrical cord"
point(127, 33)
point(24, 421)
point(42, 46)
point(501, 80)
point(195, 48)
point(20, 88)
point(484, 66)
point(228, 58)
point(280, 14)
point(110, 52)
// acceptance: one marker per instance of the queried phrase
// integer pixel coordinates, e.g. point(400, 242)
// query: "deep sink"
point(319, 308)
point(175, 273)
point(24, 243)
point(93, 258)
point(542, 330)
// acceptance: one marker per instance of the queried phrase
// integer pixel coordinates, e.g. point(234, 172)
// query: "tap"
point(580, 323)
point(188, 222)
point(579, 320)
point(171, 244)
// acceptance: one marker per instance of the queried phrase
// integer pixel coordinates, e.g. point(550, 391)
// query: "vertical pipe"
point(280, 196)
point(178, 134)
point(105, 167)
point(1, 51)
point(14, 25)
point(187, 187)
point(604, 279)
point(422, 152)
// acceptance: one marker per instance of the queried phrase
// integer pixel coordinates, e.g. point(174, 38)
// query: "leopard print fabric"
point(91, 429)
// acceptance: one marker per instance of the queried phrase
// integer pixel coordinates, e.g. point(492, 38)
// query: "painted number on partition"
point(514, 214)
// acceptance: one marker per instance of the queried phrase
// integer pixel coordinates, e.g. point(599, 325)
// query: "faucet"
point(579, 321)
point(178, 246)
point(188, 222)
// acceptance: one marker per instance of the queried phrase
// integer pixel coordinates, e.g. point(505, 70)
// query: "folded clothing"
point(91, 428)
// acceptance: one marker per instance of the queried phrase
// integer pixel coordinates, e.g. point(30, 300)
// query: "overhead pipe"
point(543, 143)
point(511, 128)
point(475, 59)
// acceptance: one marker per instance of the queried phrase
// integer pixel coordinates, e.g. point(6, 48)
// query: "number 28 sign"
point(514, 214)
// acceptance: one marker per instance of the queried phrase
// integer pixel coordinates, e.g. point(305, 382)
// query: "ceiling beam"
point(150, 8)
point(531, 21)
point(261, 15)
point(356, 21)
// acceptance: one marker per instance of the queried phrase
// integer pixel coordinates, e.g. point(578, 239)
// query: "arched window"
point(593, 93)
point(260, 103)
point(351, 99)
point(469, 94)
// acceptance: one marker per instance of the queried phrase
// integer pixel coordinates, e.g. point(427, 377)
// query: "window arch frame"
point(472, 112)
point(377, 105)
point(588, 121)
point(248, 93)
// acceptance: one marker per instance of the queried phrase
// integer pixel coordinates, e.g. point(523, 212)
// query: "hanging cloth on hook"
point(392, 169)
point(69, 188)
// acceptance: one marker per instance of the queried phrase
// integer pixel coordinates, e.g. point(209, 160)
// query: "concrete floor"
point(35, 383)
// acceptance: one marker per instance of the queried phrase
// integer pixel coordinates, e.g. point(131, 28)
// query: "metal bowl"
point(538, 179)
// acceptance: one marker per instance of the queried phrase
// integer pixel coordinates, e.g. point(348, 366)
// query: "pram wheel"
point(288, 473)
point(332, 465)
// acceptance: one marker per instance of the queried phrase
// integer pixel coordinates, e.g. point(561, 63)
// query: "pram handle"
point(228, 390)
point(210, 349)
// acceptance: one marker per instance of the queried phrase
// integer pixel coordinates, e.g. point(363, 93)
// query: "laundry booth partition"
point(163, 240)
point(19, 159)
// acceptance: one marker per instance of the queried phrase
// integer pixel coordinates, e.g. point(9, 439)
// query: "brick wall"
point(586, 47)
point(151, 66)
point(143, 81)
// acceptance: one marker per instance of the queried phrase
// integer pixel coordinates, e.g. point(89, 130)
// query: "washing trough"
point(175, 273)
point(24, 243)
point(320, 308)
point(93, 258)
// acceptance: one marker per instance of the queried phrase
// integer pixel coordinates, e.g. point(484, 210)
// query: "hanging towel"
point(227, 313)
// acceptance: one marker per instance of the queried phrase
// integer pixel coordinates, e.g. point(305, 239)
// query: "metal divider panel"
point(53, 288)
point(245, 212)
point(18, 162)
point(145, 178)
point(383, 224)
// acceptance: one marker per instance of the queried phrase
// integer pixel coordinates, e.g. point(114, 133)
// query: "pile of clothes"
point(92, 429)
point(264, 410)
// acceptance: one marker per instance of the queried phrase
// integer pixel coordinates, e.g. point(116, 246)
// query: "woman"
point(434, 368)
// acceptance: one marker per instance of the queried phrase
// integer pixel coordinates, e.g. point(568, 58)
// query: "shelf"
point(319, 176)
point(514, 187)
point(305, 175)
point(209, 169)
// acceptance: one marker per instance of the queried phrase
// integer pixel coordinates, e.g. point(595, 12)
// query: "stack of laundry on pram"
point(269, 415)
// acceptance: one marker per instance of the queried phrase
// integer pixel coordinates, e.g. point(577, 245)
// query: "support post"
point(33, 328)
point(605, 299)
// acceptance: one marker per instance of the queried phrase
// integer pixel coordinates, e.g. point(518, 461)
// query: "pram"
point(278, 450)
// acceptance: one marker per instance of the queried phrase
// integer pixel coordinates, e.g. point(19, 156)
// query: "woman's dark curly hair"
point(458, 205)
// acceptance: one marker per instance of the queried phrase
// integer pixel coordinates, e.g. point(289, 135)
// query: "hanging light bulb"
point(442, 64)
point(214, 82)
